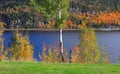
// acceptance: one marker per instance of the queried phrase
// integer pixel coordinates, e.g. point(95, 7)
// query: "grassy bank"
point(47, 68)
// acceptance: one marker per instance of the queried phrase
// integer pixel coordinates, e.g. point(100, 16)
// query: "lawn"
point(57, 68)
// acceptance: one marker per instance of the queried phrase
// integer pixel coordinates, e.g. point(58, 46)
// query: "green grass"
point(57, 68)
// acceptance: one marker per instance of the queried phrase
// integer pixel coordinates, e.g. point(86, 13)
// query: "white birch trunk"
point(61, 41)
point(60, 36)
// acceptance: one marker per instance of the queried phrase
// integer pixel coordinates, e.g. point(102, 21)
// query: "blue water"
point(111, 41)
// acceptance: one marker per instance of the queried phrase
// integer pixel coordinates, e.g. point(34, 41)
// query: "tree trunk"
point(60, 36)
point(61, 45)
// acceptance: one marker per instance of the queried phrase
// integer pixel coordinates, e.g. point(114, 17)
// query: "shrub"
point(51, 54)
point(103, 56)
point(76, 55)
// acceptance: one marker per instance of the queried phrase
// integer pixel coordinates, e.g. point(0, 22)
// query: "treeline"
point(19, 14)
point(93, 6)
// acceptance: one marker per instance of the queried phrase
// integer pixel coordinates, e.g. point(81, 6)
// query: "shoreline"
point(58, 29)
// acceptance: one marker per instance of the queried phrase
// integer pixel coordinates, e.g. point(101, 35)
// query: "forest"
point(82, 13)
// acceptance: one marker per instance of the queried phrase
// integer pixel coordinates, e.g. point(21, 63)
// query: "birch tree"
point(53, 9)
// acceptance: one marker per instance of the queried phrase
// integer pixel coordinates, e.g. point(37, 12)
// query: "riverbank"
point(57, 68)
point(104, 29)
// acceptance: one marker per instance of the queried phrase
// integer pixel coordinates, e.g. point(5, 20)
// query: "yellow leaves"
point(89, 46)
point(51, 53)
point(86, 52)
point(75, 59)
point(21, 49)
point(82, 25)
point(2, 56)
point(2, 24)
point(76, 55)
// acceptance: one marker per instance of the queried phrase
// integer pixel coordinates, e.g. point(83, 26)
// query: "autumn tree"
point(1, 39)
point(20, 48)
point(89, 46)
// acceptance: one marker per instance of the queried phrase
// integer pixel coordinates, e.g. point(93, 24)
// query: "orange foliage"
point(76, 56)
point(69, 24)
point(85, 19)
point(102, 18)
point(107, 18)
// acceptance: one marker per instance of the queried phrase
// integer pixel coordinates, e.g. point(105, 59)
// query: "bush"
point(103, 56)
point(51, 54)
point(76, 55)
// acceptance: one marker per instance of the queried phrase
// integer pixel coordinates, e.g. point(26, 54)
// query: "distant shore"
point(105, 29)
